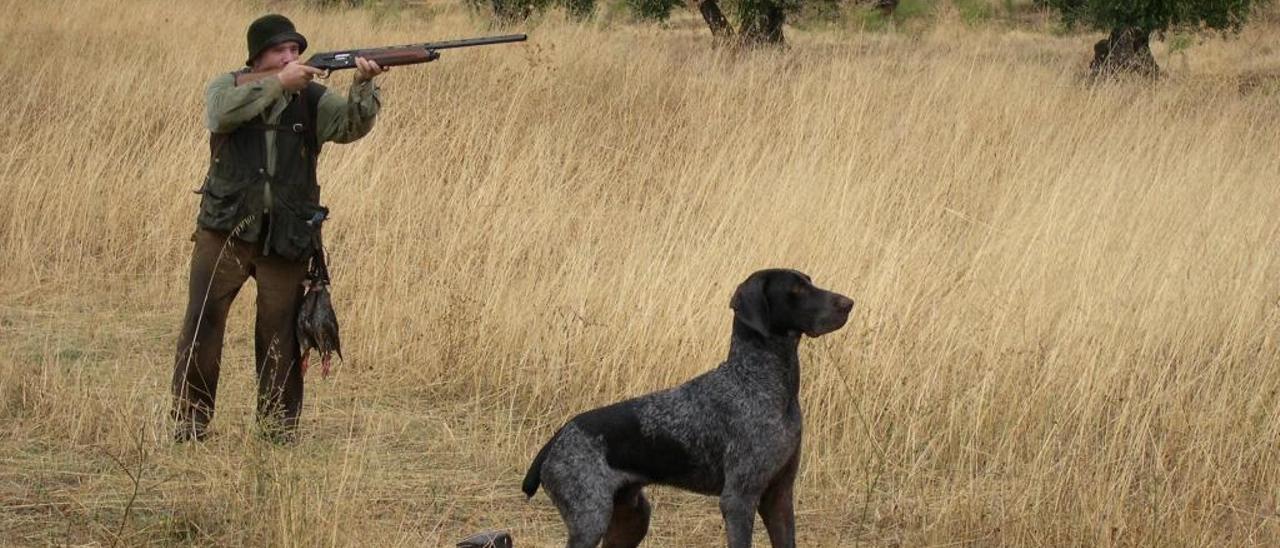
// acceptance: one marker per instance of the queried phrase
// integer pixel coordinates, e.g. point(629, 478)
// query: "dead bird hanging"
point(317, 322)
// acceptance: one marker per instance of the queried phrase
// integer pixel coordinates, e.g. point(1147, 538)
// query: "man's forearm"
point(345, 119)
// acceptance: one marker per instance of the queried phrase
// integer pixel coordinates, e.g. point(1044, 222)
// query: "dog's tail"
point(533, 478)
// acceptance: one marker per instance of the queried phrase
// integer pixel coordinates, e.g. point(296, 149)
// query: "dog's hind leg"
point(585, 514)
point(630, 521)
point(580, 482)
point(587, 525)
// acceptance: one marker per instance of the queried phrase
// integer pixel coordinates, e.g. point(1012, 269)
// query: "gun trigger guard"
point(325, 74)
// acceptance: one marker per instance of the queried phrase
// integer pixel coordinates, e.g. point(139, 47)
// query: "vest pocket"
point(221, 204)
point(291, 234)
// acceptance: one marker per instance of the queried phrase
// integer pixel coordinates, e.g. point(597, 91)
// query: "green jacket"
point(264, 146)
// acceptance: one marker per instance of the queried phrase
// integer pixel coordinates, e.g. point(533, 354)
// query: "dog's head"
point(777, 302)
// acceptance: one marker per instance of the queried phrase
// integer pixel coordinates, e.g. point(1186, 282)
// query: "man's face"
point(277, 56)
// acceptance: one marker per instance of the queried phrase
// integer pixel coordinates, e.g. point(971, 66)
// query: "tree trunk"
point(761, 23)
point(1126, 51)
point(711, 13)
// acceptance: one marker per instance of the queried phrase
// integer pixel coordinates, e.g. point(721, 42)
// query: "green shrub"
point(506, 12)
point(818, 11)
point(579, 9)
point(908, 11)
point(1180, 41)
point(973, 12)
point(652, 10)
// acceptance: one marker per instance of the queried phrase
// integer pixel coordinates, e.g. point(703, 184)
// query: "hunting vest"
point(240, 197)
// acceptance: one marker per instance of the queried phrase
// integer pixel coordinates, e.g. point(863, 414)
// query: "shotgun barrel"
point(403, 55)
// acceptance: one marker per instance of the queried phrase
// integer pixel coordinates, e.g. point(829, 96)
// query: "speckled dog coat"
point(733, 431)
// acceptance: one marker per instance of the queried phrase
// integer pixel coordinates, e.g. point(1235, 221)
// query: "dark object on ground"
point(487, 539)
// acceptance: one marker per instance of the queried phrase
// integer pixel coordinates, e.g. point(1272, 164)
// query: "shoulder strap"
point(311, 111)
point(216, 142)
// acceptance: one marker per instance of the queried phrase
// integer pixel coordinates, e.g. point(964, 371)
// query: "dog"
point(733, 431)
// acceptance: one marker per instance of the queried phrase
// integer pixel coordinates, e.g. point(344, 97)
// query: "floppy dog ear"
point(751, 305)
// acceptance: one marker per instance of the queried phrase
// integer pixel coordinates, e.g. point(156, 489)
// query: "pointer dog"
point(733, 431)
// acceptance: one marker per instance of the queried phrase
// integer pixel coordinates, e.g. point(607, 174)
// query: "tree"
point(759, 21)
point(1131, 24)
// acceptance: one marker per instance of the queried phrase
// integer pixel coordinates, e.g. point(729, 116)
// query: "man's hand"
point(294, 76)
point(367, 70)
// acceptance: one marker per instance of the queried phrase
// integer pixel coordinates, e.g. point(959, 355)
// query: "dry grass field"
point(1068, 296)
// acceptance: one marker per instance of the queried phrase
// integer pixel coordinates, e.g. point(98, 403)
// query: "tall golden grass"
point(1068, 296)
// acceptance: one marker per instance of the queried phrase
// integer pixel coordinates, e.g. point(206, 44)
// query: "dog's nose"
point(843, 303)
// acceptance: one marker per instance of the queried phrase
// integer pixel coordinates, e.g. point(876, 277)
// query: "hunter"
point(267, 123)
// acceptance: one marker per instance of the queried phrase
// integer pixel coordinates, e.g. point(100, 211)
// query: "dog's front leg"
point(779, 517)
point(777, 507)
point(739, 512)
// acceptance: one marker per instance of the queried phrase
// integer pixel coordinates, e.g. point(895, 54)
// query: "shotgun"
point(391, 56)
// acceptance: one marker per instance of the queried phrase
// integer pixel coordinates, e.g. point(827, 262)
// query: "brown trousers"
point(219, 267)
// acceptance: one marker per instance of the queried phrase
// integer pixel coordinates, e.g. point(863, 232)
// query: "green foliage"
point(1157, 15)
point(760, 21)
point(513, 11)
point(1180, 41)
point(815, 12)
point(579, 9)
point(747, 9)
point(506, 12)
point(388, 11)
point(872, 19)
point(911, 9)
point(973, 12)
point(652, 10)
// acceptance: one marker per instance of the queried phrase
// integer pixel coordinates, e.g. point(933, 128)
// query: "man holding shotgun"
point(258, 211)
